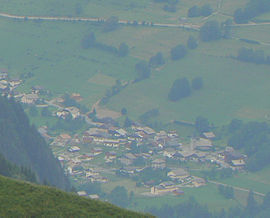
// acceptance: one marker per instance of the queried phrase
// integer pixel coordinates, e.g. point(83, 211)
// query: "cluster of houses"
point(107, 147)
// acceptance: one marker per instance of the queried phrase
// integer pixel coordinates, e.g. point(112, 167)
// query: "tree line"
point(193, 209)
point(89, 41)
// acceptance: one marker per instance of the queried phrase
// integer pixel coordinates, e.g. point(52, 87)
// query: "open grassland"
point(259, 181)
point(207, 195)
point(53, 52)
point(229, 88)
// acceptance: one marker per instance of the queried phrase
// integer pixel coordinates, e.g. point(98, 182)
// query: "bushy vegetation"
point(252, 138)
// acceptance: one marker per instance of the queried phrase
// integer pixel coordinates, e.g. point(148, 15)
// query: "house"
point(76, 96)
point(75, 112)
point(65, 136)
point(15, 82)
point(197, 181)
point(121, 132)
point(159, 163)
point(209, 135)
point(178, 192)
point(111, 155)
point(167, 184)
point(3, 74)
point(38, 89)
point(157, 190)
point(97, 151)
point(130, 156)
point(74, 149)
point(146, 130)
point(63, 114)
point(238, 163)
point(178, 174)
point(186, 155)
point(82, 193)
point(29, 98)
point(202, 144)
point(234, 156)
point(125, 161)
point(169, 152)
point(94, 197)
point(87, 139)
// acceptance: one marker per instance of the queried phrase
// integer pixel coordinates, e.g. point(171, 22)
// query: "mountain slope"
point(20, 199)
point(22, 144)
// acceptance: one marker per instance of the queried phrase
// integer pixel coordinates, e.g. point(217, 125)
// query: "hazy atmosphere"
point(135, 108)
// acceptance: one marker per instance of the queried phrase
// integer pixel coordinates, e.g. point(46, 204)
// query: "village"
point(105, 148)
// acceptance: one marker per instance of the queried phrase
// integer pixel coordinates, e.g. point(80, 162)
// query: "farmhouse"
point(157, 190)
point(202, 144)
point(209, 135)
point(159, 163)
point(75, 112)
point(29, 98)
point(178, 174)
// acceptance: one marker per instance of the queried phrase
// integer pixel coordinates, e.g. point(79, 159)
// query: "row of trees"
point(181, 88)
point(193, 209)
point(212, 30)
point(89, 41)
point(252, 56)
point(203, 11)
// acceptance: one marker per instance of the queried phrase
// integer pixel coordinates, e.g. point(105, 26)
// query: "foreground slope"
point(28, 200)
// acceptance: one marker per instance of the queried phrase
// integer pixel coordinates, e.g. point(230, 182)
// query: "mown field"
point(53, 52)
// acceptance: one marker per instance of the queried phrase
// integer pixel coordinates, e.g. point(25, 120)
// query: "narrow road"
point(236, 188)
point(97, 20)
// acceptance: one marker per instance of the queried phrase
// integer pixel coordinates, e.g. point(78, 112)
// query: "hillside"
point(20, 199)
point(22, 145)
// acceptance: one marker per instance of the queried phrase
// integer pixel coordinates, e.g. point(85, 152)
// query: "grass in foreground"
point(20, 199)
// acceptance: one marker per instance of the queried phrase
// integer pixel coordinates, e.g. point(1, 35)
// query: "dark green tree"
point(192, 43)
point(111, 24)
point(194, 11)
point(157, 60)
point(89, 40)
point(206, 10)
point(143, 70)
point(180, 89)
point(178, 52)
point(124, 111)
point(210, 31)
point(123, 50)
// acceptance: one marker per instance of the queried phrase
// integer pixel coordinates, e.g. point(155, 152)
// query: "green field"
point(214, 200)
